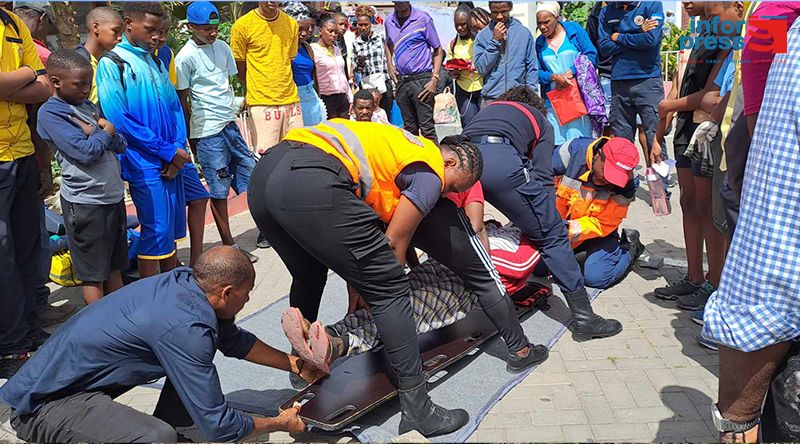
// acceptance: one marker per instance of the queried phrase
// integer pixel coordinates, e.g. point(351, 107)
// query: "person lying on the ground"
point(594, 187)
point(438, 296)
point(168, 325)
point(348, 180)
point(438, 299)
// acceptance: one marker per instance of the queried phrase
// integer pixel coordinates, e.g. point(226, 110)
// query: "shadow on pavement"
point(691, 419)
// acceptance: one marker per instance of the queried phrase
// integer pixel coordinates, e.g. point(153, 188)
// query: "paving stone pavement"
point(650, 383)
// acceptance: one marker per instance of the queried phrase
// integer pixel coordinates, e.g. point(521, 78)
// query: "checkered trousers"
point(758, 301)
point(438, 298)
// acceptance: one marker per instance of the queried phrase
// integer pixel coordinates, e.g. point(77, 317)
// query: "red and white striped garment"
point(513, 255)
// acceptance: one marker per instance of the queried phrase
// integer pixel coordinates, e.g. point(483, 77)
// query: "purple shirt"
point(413, 42)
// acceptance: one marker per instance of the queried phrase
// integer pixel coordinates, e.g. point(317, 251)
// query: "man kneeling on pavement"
point(594, 187)
point(168, 325)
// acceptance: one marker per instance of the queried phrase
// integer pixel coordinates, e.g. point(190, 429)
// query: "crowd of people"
point(549, 125)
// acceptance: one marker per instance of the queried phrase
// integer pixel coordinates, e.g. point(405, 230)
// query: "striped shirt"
point(412, 42)
point(757, 304)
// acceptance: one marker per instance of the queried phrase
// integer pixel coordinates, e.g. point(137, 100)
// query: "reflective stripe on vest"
point(564, 154)
point(365, 173)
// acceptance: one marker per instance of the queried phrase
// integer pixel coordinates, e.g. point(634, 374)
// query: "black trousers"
point(337, 106)
point(96, 417)
point(523, 191)
point(417, 115)
point(737, 148)
point(20, 244)
point(304, 200)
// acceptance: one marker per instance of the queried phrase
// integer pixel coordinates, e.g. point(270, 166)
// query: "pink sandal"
point(320, 347)
point(292, 323)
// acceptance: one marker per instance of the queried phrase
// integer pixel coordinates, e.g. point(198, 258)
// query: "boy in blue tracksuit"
point(505, 54)
point(137, 96)
point(630, 34)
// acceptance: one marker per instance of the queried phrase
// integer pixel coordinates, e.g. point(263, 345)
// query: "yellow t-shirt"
point(16, 50)
point(464, 49)
point(93, 93)
point(268, 48)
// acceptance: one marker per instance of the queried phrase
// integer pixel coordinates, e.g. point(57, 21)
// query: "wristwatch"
point(727, 426)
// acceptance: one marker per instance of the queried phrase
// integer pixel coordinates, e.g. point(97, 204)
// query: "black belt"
point(490, 139)
point(411, 77)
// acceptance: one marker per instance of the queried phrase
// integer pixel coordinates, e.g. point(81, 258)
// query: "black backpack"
point(119, 61)
point(7, 20)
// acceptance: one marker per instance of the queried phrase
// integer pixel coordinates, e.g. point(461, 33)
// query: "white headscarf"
point(551, 7)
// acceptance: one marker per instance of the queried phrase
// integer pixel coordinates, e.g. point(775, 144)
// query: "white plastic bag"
point(445, 108)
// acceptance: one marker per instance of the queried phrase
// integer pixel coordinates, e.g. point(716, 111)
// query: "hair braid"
point(469, 156)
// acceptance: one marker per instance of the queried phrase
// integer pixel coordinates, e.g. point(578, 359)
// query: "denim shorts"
point(226, 160)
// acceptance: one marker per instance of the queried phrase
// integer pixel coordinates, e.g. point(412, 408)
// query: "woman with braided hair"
point(323, 197)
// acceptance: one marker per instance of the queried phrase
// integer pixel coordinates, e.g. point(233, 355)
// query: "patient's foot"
point(325, 348)
point(296, 328)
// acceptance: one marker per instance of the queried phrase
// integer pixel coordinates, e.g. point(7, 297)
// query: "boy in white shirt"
point(204, 66)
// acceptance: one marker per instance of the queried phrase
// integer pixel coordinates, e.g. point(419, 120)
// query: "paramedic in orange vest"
point(594, 187)
point(354, 197)
point(516, 142)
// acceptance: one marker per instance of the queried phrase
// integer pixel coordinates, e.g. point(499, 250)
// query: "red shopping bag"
point(567, 103)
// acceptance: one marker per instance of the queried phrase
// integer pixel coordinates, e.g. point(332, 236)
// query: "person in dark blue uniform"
point(169, 325)
point(516, 142)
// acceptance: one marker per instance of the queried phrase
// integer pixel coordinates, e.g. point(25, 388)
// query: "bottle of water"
point(658, 195)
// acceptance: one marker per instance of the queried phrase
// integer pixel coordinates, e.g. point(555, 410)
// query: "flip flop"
point(292, 324)
point(320, 347)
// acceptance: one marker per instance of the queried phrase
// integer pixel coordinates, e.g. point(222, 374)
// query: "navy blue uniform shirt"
point(635, 54)
point(505, 120)
point(156, 327)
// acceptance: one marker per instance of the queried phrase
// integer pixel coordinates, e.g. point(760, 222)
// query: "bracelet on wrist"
point(35, 74)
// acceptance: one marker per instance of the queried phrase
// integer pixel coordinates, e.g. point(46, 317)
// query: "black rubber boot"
point(536, 355)
point(586, 324)
point(421, 414)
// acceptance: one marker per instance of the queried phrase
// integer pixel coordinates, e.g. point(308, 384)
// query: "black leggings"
point(337, 106)
point(303, 201)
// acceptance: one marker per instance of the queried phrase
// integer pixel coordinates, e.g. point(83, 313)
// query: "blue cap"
point(199, 13)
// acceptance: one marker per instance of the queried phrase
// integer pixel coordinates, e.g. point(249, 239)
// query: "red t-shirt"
point(755, 64)
point(474, 194)
point(42, 50)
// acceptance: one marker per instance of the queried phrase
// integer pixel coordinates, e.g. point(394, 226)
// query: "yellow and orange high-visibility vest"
point(374, 154)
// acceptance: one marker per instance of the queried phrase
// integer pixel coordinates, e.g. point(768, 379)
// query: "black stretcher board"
point(361, 383)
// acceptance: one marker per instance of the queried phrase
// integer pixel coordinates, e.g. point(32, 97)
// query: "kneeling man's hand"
point(289, 420)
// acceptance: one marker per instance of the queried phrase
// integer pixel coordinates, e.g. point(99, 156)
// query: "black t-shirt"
point(507, 121)
point(340, 42)
point(698, 68)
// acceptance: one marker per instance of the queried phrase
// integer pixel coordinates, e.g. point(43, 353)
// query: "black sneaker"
point(262, 242)
point(52, 315)
point(253, 258)
point(707, 343)
point(37, 339)
point(675, 289)
point(10, 364)
point(697, 300)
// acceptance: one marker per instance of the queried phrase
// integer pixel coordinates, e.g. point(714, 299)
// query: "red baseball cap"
point(622, 156)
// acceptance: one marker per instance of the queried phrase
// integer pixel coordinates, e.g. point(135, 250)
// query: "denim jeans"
point(226, 160)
